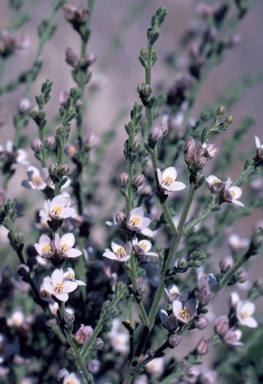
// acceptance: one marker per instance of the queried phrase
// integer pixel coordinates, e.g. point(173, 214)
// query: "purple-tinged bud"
point(24, 105)
point(201, 323)
point(76, 16)
point(221, 325)
point(90, 58)
point(94, 366)
point(155, 134)
point(63, 97)
point(92, 141)
point(23, 270)
point(257, 237)
point(123, 179)
point(84, 334)
point(50, 142)
point(241, 276)
point(146, 190)
point(205, 295)
point(229, 120)
point(226, 263)
point(221, 110)
point(233, 336)
point(36, 145)
point(71, 57)
point(174, 340)
point(120, 217)
point(138, 180)
point(203, 346)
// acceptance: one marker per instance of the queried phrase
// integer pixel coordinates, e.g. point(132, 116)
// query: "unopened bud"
point(201, 323)
point(53, 169)
point(19, 237)
point(63, 169)
point(71, 57)
point(98, 343)
point(23, 270)
point(91, 141)
point(158, 248)
point(146, 190)
point(174, 340)
point(83, 335)
point(138, 180)
point(36, 145)
point(63, 97)
point(257, 238)
point(24, 105)
point(203, 346)
point(136, 146)
point(221, 110)
point(229, 120)
point(144, 52)
point(69, 318)
point(182, 263)
point(221, 325)
point(50, 142)
point(120, 217)
point(226, 263)
point(155, 134)
point(123, 179)
point(146, 90)
point(241, 276)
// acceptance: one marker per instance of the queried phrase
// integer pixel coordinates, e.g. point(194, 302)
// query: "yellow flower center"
point(174, 291)
point(233, 194)
point(36, 180)
point(143, 246)
point(70, 382)
point(59, 287)
point(215, 180)
point(184, 314)
point(64, 247)
point(46, 249)
point(70, 275)
point(135, 221)
point(167, 181)
point(243, 315)
point(121, 252)
point(56, 210)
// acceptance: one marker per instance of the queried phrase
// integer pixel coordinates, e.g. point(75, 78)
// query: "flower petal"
point(169, 172)
point(69, 239)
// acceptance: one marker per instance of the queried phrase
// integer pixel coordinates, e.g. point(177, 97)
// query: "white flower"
point(121, 252)
point(214, 183)
point(167, 180)
point(172, 292)
point(244, 310)
point(118, 340)
point(58, 287)
point(143, 247)
point(156, 366)
point(136, 220)
point(45, 247)
point(36, 179)
point(17, 319)
point(259, 147)
point(18, 155)
point(69, 378)
point(169, 322)
point(64, 246)
point(69, 273)
point(59, 208)
point(186, 312)
point(231, 194)
point(233, 299)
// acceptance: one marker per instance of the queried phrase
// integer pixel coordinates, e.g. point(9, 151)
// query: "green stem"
point(77, 355)
point(129, 189)
point(133, 277)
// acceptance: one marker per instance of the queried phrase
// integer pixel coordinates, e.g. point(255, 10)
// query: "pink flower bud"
point(222, 325)
point(84, 334)
point(123, 179)
point(226, 263)
point(203, 346)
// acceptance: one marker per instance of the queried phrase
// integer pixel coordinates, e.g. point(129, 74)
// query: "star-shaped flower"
point(45, 247)
point(184, 312)
point(231, 194)
point(244, 310)
point(121, 252)
point(36, 178)
point(142, 247)
point(59, 208)
point(136, 220)
point(64, 246)
point(167, 180)
point(57, 286)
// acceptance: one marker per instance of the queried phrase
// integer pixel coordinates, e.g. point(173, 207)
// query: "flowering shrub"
point(142, 298)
